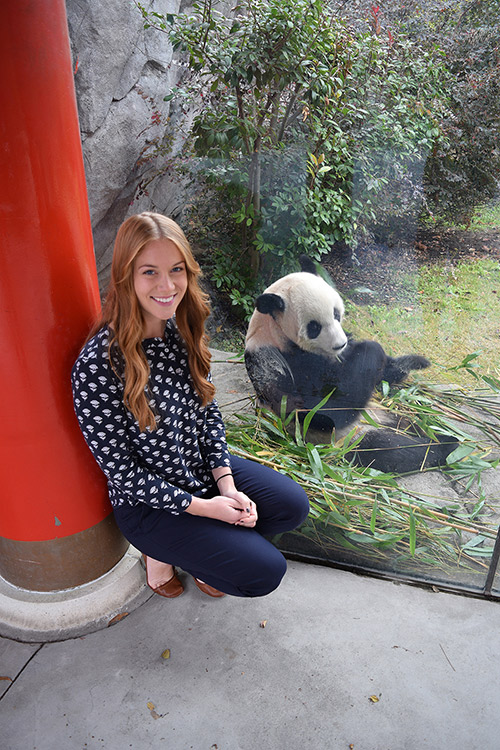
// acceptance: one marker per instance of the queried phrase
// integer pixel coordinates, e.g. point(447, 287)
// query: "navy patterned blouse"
point(162, 467)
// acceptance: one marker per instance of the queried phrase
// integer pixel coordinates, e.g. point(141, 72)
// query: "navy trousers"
point(233, 559)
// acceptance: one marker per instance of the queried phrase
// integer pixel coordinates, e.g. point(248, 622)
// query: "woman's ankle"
point(158, 572)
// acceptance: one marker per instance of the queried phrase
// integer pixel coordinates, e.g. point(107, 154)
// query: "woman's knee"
point(293, 505)
point(266, 576)
point(298, 505)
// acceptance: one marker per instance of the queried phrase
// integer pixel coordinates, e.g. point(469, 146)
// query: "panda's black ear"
point(270, 304)
point(307, 265)
point(311, 266)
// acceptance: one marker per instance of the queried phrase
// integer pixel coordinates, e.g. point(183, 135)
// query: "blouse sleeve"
point(102, 417)
point(215, 449)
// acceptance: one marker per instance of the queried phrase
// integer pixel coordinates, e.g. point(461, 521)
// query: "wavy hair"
point(123, 314)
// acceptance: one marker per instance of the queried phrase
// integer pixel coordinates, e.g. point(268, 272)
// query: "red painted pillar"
point(56, 528)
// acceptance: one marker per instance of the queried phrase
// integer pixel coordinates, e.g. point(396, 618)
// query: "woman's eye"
point(177, 269)
point(148, 272)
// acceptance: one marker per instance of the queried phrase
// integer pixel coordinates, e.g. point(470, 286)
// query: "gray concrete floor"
point(342, 662)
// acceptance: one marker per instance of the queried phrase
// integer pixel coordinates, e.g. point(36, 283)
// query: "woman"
point(145, 403)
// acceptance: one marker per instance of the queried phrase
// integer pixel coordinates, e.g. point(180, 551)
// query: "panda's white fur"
point(310, 299)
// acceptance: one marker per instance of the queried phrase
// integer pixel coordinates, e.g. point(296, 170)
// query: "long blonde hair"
point(123, 315)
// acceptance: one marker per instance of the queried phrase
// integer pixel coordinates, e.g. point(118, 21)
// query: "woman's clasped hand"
point(235, 508)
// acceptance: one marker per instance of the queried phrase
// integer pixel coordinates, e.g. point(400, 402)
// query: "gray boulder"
point(122, 75)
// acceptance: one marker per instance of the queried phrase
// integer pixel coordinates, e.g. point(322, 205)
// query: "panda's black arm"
point(396, 369)
point(271, 376)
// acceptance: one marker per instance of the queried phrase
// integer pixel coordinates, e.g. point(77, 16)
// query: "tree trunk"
point(253, 199)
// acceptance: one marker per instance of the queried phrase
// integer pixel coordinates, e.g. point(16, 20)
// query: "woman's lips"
point(164, 300)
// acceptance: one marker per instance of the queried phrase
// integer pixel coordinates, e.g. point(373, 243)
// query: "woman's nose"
point(166, 282)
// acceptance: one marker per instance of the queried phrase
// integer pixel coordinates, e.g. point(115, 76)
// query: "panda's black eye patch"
point(314, 329)
point(336, 314)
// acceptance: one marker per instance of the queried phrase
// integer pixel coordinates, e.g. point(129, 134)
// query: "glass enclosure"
point(344, 164)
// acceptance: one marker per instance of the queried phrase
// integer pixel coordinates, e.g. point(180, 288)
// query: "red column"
point(56, 530)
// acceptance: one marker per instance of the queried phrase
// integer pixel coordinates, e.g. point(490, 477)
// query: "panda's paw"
point(396, 369)
point(412, 362)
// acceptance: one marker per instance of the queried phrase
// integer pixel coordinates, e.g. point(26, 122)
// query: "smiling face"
point(160, 282)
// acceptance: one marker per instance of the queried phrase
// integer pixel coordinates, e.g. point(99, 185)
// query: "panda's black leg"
point(401, 453)
point(270, 377)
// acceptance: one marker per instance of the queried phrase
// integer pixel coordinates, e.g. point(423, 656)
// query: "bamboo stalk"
point(436, 516)
point(272, 445)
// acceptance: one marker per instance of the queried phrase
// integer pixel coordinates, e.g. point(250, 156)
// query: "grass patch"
point(457, 311)
point(488, 217)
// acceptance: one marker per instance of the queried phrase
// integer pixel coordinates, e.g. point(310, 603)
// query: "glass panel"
point(360, 147)
point(428, 526)
point(419, 280)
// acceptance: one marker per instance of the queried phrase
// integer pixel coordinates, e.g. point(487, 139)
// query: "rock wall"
point(122, 73)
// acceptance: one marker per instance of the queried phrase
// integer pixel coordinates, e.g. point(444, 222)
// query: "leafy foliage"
point(462, 170)
point(317, 131)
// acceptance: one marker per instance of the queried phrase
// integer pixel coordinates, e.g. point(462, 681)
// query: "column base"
point(40, 617)
point(64, 562)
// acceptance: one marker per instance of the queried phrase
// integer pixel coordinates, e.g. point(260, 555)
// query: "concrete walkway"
point(343, 661)
point(329, 661)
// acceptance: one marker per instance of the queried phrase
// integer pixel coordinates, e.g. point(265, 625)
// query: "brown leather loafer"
point(170, 589)
point(208, 589)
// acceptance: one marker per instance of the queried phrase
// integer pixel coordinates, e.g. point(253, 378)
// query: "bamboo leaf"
point(413, 534)
point(337, 518)
point(298, 434)
point(373, 517)
point(494, 383)
point(459, 453)
point(367, 418)
point(283, 408)
point(315, 461)
point(309, 416)
point(474, 542)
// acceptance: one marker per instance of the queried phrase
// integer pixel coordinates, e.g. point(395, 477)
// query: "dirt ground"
point(378, 272)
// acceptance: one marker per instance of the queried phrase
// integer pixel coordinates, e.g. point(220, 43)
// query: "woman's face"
point(160, 282)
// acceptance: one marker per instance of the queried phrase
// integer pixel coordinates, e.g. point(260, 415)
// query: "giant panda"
point(296, 348)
